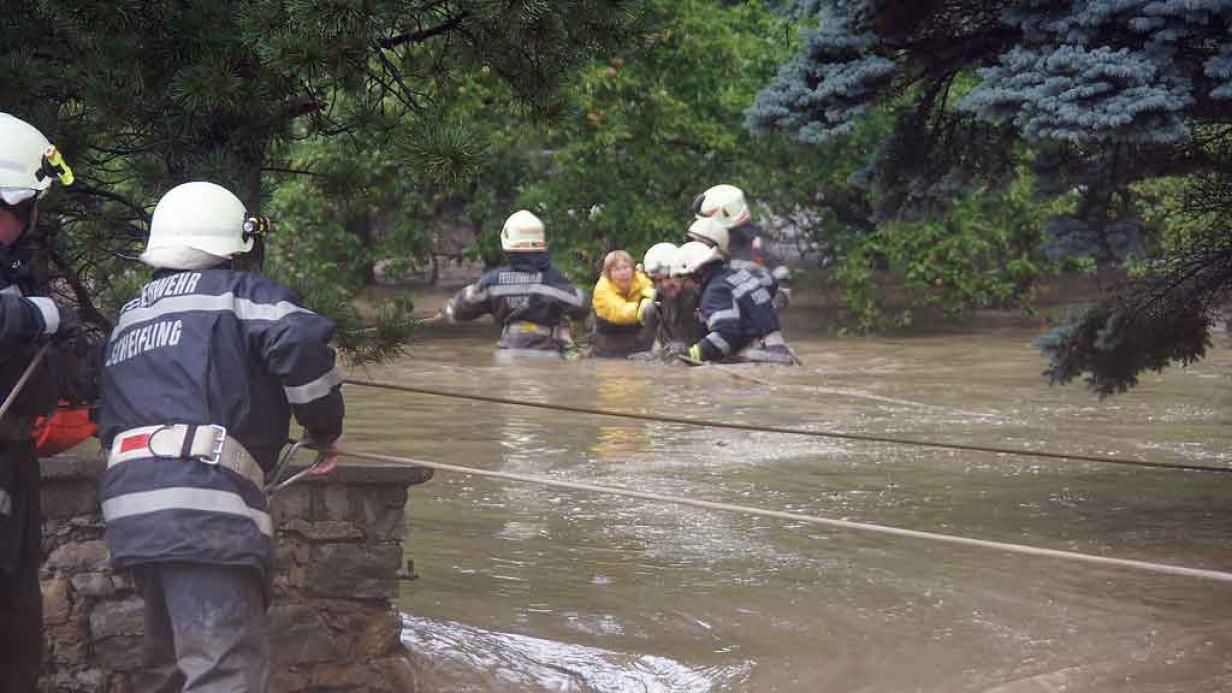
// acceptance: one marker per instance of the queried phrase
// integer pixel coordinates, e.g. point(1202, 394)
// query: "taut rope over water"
point(790, 431)
point(1021, 549)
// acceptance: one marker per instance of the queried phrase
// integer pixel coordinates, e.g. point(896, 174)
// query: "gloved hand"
point(70, 324)
point(695, 353)
point(61, 321)
point(782, 298)
point(76, 365)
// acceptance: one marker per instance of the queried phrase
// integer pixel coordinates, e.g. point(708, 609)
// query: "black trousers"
point(21, 601)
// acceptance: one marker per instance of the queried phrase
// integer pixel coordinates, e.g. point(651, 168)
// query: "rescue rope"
point(963, 447)
point(841, 392)
point(1021, 549)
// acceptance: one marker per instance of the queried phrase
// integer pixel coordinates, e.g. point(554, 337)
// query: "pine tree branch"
point(424, 34)
point(85, 189)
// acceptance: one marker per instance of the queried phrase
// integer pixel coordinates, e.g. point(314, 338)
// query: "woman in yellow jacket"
point(620, 300)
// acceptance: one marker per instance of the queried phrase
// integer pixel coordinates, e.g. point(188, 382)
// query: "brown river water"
point(527, 588)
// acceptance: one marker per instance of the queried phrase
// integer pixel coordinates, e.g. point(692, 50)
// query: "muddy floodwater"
point(526, 588)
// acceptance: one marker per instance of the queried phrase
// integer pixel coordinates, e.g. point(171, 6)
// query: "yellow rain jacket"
point(616, 307)
point(617, 330)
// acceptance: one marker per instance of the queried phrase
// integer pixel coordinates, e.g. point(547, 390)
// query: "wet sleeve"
point(469, 303)
point(24, 319)
point(759, 307)
point(295, 348)
point(577, 307)
point(724, 336)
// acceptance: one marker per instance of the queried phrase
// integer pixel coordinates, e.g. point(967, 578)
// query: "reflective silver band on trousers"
point(185, 498)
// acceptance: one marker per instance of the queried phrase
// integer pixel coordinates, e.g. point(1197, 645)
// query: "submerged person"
point(672, 317)
point(740, 320)
point(531, 299)
point(622, 297)
point(740, 239)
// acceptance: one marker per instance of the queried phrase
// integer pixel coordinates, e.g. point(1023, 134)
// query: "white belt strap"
point(207, 444)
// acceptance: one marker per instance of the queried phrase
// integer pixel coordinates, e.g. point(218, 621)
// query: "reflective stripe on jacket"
point(529, 289)
point(209, 347)
point(736, 307)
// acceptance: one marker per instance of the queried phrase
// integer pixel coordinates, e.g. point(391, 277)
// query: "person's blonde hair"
point(612, 258)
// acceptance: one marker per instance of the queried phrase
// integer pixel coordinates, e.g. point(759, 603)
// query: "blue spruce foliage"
point(820, 93)
point(1106, 92)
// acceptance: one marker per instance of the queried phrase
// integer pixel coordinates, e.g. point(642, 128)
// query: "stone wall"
point(338, 566)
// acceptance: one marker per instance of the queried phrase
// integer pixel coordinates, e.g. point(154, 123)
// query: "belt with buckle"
point(208, 444)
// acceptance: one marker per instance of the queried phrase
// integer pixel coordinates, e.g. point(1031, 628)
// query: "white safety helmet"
point(196, 216)
point(693, 256)
point(28, 162)
point(523, 233)
point(659, 259)
point(710, 231)
point(724, 203)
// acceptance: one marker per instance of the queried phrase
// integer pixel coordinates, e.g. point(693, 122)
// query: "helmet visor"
point(11, 197)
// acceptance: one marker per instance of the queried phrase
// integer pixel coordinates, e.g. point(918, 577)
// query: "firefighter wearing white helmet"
point(658, 260)
point(740, 322)
point(672, 318)
point(201, 376)
point(739, 238)
point(523, 233)
point(195, 226)
point(723, 203)
point(711, 232)
point(29, 165)
point(531, 299)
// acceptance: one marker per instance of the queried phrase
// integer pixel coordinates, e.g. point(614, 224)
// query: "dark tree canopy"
point(1107, 95)
point(141, 96)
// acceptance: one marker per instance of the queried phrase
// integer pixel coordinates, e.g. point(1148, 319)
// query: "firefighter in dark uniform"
point(738, 238)
point(531, 299)
point(200, 378)
point(737, 310)
point(28, 164)
point(672, 317)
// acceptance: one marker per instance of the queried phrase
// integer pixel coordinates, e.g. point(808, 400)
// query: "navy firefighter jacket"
point(205, 347)
point(528, 291)
point(736, 307)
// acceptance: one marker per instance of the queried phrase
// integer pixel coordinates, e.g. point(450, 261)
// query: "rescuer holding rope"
point(28, 165)
point(200, 378)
